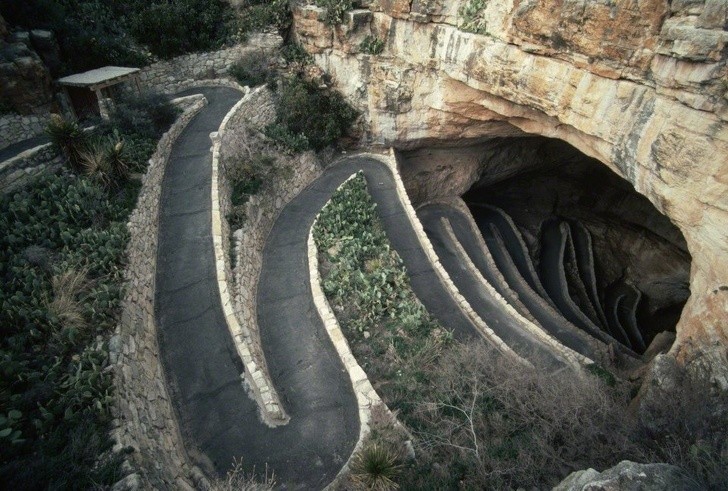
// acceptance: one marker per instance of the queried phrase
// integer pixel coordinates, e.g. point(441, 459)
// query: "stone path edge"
point(126, 351)
point(366, 396)
point(466, 308)
point(256, 374)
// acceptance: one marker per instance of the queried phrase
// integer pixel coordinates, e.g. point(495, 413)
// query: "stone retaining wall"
point(256, 110)
point(182, 72)
point(27, 165)
point(17, 127)
point(144, 417)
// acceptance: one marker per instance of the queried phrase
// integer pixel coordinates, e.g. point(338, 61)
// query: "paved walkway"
point(218, 420)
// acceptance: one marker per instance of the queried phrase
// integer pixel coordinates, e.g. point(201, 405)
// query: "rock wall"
point(17, 127)
point(638, 85)
point(293, 174)
point(144, 417)
point(171, 76)
point(25, 166)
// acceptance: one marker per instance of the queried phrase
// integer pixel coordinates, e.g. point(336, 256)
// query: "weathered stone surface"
point(629, 476)
point(25, 83)
point(182, 72)
point(653, 113)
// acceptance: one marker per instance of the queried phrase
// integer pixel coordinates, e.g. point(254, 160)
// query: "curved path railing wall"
point(240, 316)
point(527, 338)
point(143, 411)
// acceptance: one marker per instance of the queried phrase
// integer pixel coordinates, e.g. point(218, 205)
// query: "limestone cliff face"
point(639, 85)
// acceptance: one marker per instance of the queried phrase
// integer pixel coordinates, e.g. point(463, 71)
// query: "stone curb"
point(366, 396)
point(256, 371)
point(125, 349)
point(515, 301)
point(465, 307)
point(572, 357)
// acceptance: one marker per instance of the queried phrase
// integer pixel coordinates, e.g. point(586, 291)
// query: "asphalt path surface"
point(471, 286)
point(218, 421)
point(542, 311)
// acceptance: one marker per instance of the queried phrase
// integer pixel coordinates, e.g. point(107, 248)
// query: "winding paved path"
point(218, 420)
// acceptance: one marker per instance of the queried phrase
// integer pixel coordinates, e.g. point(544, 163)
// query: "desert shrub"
point(103, 159)
point(236, 479)
point(376, 467)
point(246, 178)
point(335, 10)
point(371, 45)
point(321, 115)
point(62, 242)
point(294, 53)
point(177, 27)
point(69, 139)
point(285, 140)
point(471, 16)
point(147, 114)
point(258, 15)
point(686, 424)
point(252, 69)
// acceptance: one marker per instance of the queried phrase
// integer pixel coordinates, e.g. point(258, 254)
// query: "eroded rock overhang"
point(639, 88)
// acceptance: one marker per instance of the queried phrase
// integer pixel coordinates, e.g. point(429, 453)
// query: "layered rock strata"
point(640, 86)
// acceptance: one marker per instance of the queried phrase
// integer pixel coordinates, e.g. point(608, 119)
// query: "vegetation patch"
point(472, 17)
point(62, 243)
point(371, 45)
point(309, 116)
point(246, 179)
point(480, 421)
point(335, 10)
point(253, 69)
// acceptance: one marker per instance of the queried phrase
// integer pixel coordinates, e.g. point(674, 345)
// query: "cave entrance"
point(577, 233)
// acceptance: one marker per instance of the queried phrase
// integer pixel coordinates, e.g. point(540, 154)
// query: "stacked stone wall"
point(17, 127)
point(144, 418)
point(27, 165)
point(187, 71)
point(253, 113)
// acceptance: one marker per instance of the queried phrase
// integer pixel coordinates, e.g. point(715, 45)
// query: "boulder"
point(630, 476)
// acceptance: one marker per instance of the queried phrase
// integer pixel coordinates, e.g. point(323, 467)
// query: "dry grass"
point(238, 480)
point(66, 304)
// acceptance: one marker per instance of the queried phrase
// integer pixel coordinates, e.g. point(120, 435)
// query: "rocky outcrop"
point(639, 85)
point(630, 476)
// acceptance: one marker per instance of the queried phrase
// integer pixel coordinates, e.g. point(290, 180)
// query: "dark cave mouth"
point(599, 252)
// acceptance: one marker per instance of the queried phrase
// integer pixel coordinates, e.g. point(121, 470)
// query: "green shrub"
point(471, 17)
point(335, 10)
point(294, 53)
point(252, 69)
point(321, 115)
point(371, 45)
point(147, 114)
point(258, 15)
point(286, 141)
point(177, 27)
point(376, 467)
point(69, 139)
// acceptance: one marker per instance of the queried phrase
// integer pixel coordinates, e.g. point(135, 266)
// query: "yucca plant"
point(103, 160)
point(376, 467)
point(68, 137)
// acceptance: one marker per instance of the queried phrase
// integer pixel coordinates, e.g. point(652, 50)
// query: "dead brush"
point(69, 290)
point(238, 480)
